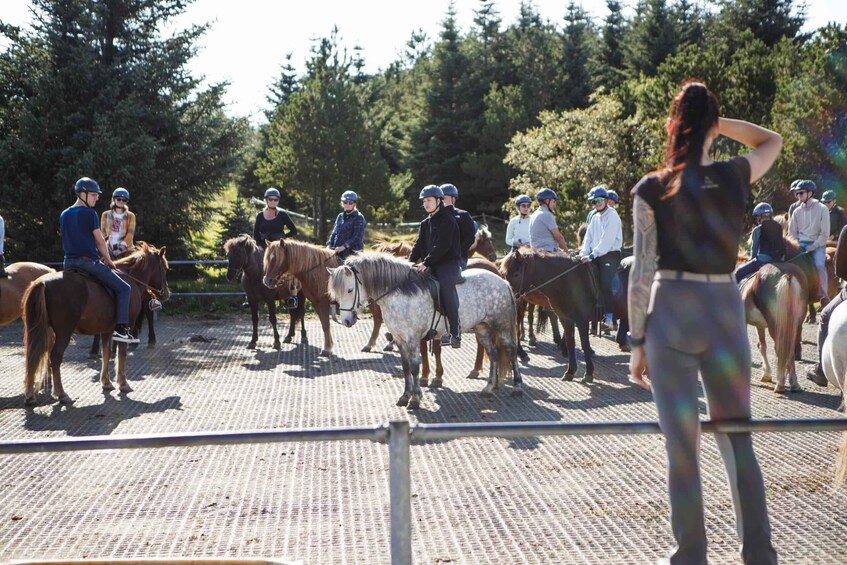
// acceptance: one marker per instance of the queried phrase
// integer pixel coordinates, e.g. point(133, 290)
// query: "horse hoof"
point(473, 375)
point(65, 399)
point(766, 379)
point(30, 401)
point(517, 391)
point(277, 345)
point(779, 389)
point(568, 377)
point(587, 379)
point(389, 347)
point(151, 345)
point(424, 381)
point(486, 392)
point(532, 342)
point(436, 383)
point(324, 353)
point(798, 356)
point(126, 388)
point(403, 401)
point(251, 345)
point(366, 349)
point(108, 387)
point(287, 339)
point(132, 346)
point(795, 388)
point(414, 404)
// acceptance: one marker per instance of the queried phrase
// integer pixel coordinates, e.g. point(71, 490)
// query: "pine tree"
point(769, 20)
point(610, 59)
point(576, 51)
point(651, 37)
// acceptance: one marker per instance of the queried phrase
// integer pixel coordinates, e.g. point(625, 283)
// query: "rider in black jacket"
point(437, 249)
point(467, 227)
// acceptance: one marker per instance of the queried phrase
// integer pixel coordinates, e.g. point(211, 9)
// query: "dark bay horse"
point(13, 287)
point(244, 265)
point(70, 301)
point(775, 299)
point(567, 285)
point(308, 263)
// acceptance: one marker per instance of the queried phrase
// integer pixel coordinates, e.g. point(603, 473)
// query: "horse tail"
point(541, 321)
point(790, 310)
point(36, 333)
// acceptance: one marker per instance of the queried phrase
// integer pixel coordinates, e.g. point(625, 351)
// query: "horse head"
point(346, 289)
point(514, 270)
point(483, 244)
point(274, 264)
point(237, 252)
point(148, 266)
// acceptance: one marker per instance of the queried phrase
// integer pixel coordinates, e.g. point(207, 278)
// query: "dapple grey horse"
point(407, 298)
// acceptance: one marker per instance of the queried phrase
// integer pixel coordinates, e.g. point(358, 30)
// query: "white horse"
point(834, 364)
point(407, 298)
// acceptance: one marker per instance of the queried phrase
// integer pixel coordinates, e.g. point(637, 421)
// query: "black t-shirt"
point(273, 230)
point(699, 228)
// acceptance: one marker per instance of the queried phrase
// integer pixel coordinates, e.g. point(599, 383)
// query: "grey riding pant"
point(699, 327)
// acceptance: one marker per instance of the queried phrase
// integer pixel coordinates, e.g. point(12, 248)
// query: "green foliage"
point(236, 221)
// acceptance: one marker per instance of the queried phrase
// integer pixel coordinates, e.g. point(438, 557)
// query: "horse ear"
point(268, 243)
point(331, 270)
point(162, 251)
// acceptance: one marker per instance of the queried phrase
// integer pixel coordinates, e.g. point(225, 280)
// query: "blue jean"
point(110, 279)
point(687, 335)
point(819, 259)
point(747, 269)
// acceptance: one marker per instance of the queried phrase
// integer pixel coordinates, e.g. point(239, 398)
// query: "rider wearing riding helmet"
point(809, 225)
point(602, 246)
point(612, 200)
point(86, 250)
point(840, 260)
point(544, 234)
point(767, 244)
point(837, 216)
point(272, 224)
point(792, 188)
point(118, 224)
point(467, 227)
point(437, 249)
point(517, 232)
point(348, 234)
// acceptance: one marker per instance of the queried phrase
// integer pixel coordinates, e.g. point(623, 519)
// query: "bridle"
point(357, 294)
point(532, 289)
point(156, 292)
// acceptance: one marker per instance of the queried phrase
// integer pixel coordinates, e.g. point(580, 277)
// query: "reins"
point(523, 295)
point(322, 263)
point(158, 293)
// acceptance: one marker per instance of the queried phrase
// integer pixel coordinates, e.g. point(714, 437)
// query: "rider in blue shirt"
point(348, 234)
point(86, 250)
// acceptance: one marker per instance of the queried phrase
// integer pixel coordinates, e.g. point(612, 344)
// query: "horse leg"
point(323, 313)
point(301, 315)
point(254, 317)
point(554, 326)
point(405, 356)
point(120, 369)
point(477, 364)
point(425, 362)
point(414, 382)
point(763, 351)
point(570, 342)
point(292, 323)
point(439, 368)
point(94, 351)
point(272, 317)
point(531, 323)
point(105, 382)
point(587, 352)
point(56, 356)
point(151, 332)
point(517, 379)
point(484, 339)
point(376, 313)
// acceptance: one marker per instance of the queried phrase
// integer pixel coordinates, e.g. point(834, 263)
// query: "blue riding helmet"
point(794, 184)
point(350, 195)
point(523, 199)
point(450, 190)
point(431, 190)
point(807, 185)
point(546, 193)
point(121, 193)
point(272, 192)
point(613, 196)
point(762, 208)
point(828, 195)
point(86, 184)
point(598, 191)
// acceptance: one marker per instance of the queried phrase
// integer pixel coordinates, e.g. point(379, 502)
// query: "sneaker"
point(123, 335)
point(816, 376)
point(446, 339)
point(607, 325)
point(456, 342)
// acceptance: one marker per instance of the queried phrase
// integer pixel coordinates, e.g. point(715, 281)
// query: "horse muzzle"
point(269, 282)
point(349, 320)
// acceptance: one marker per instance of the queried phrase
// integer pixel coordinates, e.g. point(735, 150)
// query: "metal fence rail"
point(400, 435)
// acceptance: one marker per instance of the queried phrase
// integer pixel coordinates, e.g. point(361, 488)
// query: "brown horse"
point(308, 263)
point(70, 301)
point(775, 298)
point(483, 244)
point(244, 265)
point(13, 287)
point(567, 285)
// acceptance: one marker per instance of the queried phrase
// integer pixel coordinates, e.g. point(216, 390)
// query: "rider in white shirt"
point(602, 246)
point(517, 232)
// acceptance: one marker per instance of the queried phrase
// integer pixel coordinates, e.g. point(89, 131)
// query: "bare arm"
point(560, 239)
point(766, 144)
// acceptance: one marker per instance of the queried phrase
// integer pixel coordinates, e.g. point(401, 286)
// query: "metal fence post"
point(399, 441)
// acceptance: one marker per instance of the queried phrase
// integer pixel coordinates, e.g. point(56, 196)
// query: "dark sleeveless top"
point(770, 240)
point(700, 227)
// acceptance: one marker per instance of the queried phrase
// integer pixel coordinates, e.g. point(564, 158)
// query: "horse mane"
point(483, 232)
point(398, 248)
point(301, 255)
point(782, 220)
point(381, 273)
point(140, 257)
point(243, 240)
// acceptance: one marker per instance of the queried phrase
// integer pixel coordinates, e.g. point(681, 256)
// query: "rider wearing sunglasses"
point(118, 224)
point(809, 225)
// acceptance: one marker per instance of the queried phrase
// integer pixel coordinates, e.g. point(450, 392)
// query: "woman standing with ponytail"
point(687, 317)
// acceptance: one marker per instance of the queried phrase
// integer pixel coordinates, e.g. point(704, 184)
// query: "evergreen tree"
point(651, 37)
point(689, 23)
point(236, 221)
point(769, 20)
point(610, 59)
point(576, 51)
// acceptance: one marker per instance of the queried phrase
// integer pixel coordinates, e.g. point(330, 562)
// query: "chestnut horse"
point(13, 287)
point(308, 263)
point(483, 245)
point(244, 265)
point(70, 301)
point(775, 298)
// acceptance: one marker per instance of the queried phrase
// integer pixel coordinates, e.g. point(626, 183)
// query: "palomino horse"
point(13, 287)
point(244, 265)
point(308, 263)
point(70, 301)
point(567, 285)
point(775, 298)
point(834, 364)
point(408, 300)
point(483, 244)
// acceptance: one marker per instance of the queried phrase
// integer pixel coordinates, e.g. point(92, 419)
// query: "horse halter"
point(357, 295)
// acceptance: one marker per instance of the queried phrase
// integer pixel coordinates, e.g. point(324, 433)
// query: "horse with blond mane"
point(13, 287)
point(308, 263)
